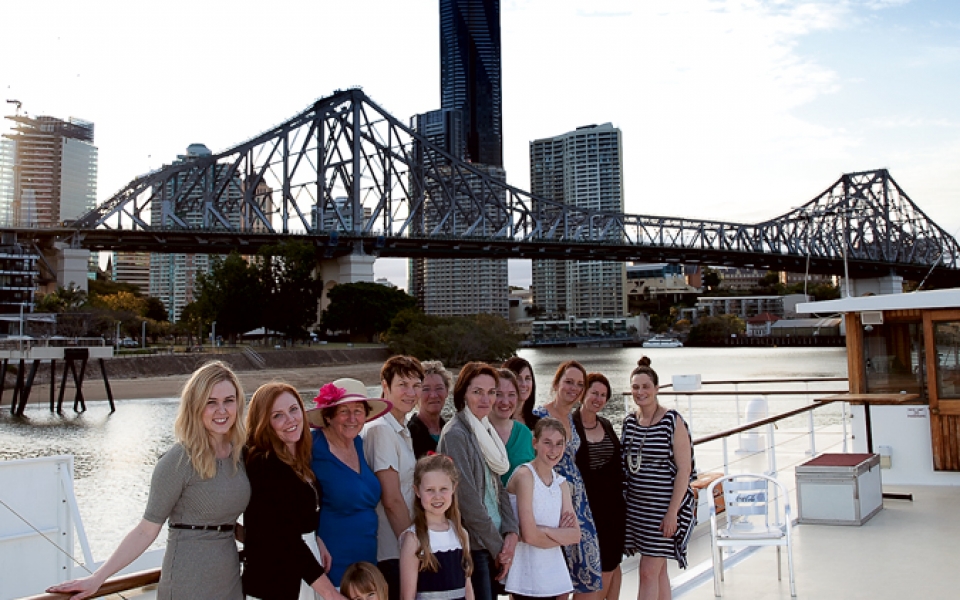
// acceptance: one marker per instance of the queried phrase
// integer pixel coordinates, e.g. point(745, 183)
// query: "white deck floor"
point(908, 550)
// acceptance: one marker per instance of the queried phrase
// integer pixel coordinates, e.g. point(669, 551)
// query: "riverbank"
point(162, 376)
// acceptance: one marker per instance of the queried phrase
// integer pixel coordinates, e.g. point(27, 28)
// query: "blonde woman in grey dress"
point(201, 487)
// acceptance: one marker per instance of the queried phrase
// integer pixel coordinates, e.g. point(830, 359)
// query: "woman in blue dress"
point(349, 490)
point(583, 559)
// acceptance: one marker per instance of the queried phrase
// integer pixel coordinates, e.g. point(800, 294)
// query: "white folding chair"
point(753, 519)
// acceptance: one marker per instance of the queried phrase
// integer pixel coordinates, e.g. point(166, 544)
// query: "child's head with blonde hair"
point(360, 580)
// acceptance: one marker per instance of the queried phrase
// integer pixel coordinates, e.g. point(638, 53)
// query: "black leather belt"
point(220, 528)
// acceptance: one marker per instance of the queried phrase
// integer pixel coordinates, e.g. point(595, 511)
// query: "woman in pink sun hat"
point(349, 489)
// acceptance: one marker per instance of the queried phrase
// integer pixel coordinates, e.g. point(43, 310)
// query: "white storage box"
point(839, 489)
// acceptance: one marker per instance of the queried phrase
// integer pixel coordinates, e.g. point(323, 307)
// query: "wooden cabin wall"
point(856, 370)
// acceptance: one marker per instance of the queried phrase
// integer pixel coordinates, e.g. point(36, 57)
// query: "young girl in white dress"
point(547, 520)
point(435, 561)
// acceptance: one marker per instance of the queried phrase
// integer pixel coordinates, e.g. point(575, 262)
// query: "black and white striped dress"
point(648, 488)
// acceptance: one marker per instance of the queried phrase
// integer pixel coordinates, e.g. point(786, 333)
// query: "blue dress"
point(583, 558)
point(348, 507)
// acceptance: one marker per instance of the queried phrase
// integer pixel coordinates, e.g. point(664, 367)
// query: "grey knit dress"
point(198, 564)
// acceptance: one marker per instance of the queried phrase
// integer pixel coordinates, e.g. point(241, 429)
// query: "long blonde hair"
point(189, 428)
point(363, 578)
point(262, 439)
point(428, 561)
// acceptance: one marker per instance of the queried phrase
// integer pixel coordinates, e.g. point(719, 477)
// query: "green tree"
point(156, 311)
point(711, 279)
point(711, 329)
point(452, 340)
point(123, 302)
point(290, 288)
point(363, 309)
point(63, 299)
point(230, 294)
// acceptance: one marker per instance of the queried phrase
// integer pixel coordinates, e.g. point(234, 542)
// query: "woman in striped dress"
point(658, 468)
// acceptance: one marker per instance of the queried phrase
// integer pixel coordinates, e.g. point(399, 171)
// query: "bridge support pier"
point(352, 268)
point(71, 266)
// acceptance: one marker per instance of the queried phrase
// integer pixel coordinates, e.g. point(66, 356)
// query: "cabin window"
point(893, 357)
point(947, 339)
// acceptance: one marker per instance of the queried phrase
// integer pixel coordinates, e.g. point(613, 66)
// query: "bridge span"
point(348, 177)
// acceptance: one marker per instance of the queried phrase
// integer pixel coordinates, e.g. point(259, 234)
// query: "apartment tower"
point(582, 168)
point(467, 127)
point(48, 171)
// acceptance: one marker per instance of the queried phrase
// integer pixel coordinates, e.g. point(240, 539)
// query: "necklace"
point(316, 496)
point(635, 457)
point(595, 425)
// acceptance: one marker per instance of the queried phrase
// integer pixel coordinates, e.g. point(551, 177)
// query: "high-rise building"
point(132, 268)
point(173, 276)
point(48, 171)
point(470, 74)
point(467, 127)
point(447, 286)
point(581, 168)
point(461, 286)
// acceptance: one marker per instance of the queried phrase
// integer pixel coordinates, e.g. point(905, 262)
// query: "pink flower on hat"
point(329, 394)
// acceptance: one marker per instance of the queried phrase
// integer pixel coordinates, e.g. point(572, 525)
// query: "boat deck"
point(908, 550)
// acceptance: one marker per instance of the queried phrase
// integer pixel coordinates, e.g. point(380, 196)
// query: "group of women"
point(315, 506)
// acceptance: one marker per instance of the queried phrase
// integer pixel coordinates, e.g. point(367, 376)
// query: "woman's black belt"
point(220, 528)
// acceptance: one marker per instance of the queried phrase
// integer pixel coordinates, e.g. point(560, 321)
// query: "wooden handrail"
point(113, 585)
point(760, 422)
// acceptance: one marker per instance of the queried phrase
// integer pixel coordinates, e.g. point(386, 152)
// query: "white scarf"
point(491, 446)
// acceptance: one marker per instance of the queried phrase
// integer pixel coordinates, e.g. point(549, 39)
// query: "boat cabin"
point(903, 359)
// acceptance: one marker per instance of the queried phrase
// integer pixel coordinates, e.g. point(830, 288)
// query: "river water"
point(114, 454)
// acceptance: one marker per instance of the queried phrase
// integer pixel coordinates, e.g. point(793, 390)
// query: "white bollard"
point(752, 441)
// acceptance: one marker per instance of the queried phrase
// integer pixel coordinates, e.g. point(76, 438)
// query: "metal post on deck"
point(813, 435)
point(771, 451)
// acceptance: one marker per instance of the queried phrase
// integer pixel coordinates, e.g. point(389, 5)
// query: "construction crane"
point(18, 103)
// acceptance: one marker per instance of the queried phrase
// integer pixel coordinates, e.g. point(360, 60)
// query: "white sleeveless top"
point(540, 571)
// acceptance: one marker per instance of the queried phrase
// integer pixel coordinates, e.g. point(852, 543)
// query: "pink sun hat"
point(343, 391)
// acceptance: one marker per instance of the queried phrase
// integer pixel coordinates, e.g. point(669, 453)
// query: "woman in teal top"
point(516, 438)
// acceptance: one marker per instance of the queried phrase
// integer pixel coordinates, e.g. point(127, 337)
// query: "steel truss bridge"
point(348, 177)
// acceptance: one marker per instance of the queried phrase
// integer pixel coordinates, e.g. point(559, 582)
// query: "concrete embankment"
point(163, 365)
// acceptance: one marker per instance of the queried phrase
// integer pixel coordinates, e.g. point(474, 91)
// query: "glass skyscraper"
point(470, 74)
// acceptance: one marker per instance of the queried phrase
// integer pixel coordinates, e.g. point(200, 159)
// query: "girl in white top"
point(547, 521)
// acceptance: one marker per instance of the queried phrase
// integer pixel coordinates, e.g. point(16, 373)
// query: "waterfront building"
point(48, 171)
point(736, 279)
point(749, 306)
point(470, 79)
point(659, 283)
point(18, 276)
point(173, 276)
point(581, 168)
point(574, 329)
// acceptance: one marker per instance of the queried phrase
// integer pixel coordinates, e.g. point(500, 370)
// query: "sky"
point(736, 110)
